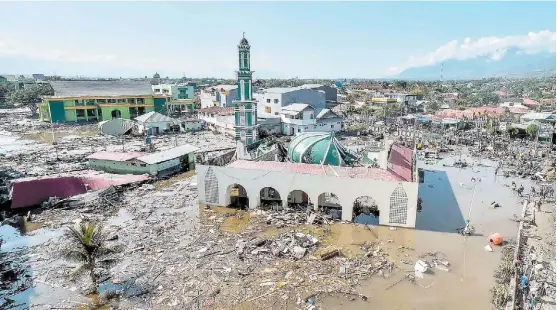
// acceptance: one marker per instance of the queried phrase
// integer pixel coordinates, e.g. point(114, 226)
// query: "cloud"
point(493, 47)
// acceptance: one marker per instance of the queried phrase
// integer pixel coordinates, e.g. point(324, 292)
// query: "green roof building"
point(319, 148)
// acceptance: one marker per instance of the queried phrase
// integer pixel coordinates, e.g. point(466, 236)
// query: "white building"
point(396, 197)
point(158, 122)
point(225, 94)
point(208, 99)
point(300, 117)
point(180, 158)
point(330, 92)
point(270, 101)
point(402, 98)
point(176, 91)
point(218, 119)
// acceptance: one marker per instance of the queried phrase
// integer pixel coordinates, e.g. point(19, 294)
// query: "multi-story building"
point(82, 101)
point(300, 117)
point(175, 91)
point(330, 92)
point(272, 100)
point(225, 94)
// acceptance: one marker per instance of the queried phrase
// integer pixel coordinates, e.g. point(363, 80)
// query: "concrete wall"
point(213, 189)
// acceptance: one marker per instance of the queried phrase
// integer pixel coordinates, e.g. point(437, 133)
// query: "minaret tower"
point(245, 108)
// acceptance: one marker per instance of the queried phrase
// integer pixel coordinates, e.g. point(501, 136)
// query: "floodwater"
point(449, 199)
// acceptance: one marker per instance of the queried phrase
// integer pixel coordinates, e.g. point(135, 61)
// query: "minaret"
point(245, 108)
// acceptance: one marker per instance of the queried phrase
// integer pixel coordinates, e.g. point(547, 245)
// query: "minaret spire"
point(245, 108)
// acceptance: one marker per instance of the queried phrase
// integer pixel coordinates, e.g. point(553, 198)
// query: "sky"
point(288, 39)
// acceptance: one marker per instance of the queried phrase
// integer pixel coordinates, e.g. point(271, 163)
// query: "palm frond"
point(79, 270)
point(76, 256)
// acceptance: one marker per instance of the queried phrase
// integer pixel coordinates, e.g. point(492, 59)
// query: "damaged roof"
point(154, 117)
point(169, 154)
point(115, 156)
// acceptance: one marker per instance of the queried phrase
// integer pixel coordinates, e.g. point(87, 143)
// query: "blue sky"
point(289, 39)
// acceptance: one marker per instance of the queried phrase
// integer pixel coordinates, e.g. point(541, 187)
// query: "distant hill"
point(512, 65)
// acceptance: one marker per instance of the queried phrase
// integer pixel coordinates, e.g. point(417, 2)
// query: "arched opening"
point(329, 204)
point(116, 114)
point(237, 197)
point(398, 206)
point(211, 188)
point(299, 199)
point(365, 211)
point(270, 199)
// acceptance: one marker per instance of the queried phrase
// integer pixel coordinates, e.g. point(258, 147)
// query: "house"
point(218, 119)
point(545, 117)
point(175, 91)
point(225, 94)
point(155, 122)
point(270, 101)
point(163, 163)
point(301, 117)
point(208, 99)
point(330, 92)
point(190, 125)
point(82, 101)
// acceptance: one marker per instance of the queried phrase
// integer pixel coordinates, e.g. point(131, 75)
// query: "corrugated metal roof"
point(352, 172)
point(115, 156)
point(154, 117)
point(281, 90)
point(101, 88)
point(169, 154)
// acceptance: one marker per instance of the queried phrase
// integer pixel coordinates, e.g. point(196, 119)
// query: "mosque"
point(316, 171)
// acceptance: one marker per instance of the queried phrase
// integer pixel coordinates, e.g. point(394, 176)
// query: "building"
point(82, 101)
point(245, 108)
point(175, 91)
point(181, 97)
point(301, 117)
point(177, 159)
point(396, 198)
point(190, 125)
point(383, 100)
point(250, 183)
point(547, 117)
point(218, 119)
point(271, 100)
point(330, 92)
point(208, 99)
point(225, 94)
point(155, 122)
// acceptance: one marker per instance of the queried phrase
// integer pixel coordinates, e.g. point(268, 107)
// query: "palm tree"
point(88, 248)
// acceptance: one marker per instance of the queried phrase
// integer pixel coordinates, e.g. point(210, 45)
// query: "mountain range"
point(513, 64)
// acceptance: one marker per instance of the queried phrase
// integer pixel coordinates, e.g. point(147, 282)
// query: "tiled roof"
point(218, 110)
point(356, 172)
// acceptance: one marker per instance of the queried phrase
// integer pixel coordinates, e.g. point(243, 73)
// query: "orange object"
point(496, 239)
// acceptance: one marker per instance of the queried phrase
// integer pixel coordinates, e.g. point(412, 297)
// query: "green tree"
point(30, 96)
point(88, 247)
point(532, 130)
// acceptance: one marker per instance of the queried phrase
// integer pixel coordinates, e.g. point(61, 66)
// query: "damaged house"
point(163, 163)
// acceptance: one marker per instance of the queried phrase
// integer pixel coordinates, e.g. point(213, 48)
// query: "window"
point(131, 100)
point(268, 110)
point(276, 101)
point(121, 100)
point(111, 100)
point(242, 118)
point(91, 113)
point(90, 102)
point(140, 101)
point(143, 165)
point(298, 129)
point(332, 126)
point(101, 100)
point(311, 116)
point(268, 100)
point(80, 113)
point(276, 113)
point(157, 90)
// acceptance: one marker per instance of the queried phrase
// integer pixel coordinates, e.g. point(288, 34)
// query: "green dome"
point(317, 148)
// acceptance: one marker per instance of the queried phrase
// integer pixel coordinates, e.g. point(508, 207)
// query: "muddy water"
point(448, 199)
